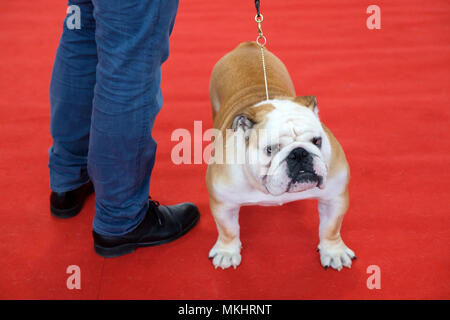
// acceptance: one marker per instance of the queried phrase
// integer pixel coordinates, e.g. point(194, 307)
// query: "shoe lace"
point(155, 203)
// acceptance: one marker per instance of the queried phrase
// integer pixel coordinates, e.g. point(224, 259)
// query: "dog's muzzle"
point(300, 167)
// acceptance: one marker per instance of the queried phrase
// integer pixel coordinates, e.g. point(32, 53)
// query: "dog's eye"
point(317, 141)
point(270, 150)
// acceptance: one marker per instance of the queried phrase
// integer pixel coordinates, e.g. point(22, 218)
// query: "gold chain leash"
point(261, 41)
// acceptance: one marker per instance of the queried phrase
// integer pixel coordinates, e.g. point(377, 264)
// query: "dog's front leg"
point(227, 250)
point(333, 251)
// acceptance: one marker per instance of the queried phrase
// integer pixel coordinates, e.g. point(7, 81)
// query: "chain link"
point(261, 41)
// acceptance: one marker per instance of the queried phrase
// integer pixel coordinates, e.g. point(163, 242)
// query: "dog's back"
point(245, 61)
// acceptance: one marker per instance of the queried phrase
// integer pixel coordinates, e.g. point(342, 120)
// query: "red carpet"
point(384, 93)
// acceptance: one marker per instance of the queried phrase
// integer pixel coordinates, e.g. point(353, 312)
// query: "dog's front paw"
point(225, 256)
point(335, 254)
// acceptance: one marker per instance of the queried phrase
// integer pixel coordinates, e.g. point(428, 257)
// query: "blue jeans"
point(104, 95)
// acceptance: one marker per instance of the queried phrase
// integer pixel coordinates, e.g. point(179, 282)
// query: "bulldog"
point(287, 154)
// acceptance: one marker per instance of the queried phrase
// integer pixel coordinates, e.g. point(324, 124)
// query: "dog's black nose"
point(298, 154)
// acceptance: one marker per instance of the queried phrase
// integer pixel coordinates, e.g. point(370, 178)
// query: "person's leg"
point(71, 94)
point(132, 42)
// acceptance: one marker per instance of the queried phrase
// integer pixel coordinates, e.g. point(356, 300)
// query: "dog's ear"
point(309, 102)
point(242, 121)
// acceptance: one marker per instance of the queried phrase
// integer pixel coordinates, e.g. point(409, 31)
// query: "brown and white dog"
point(288, 154)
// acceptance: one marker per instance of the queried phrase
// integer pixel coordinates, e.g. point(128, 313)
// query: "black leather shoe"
point(162, 224)
point(69, 204)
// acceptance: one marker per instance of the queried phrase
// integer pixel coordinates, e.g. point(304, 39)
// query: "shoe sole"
point(131, 247)
point(70, 212)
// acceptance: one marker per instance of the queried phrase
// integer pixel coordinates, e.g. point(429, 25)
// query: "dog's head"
point(287, 149)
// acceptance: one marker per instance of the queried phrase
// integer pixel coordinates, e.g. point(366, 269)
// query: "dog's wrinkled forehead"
point(290, 121)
